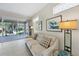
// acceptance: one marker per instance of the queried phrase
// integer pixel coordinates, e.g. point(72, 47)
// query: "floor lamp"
point(68, 26)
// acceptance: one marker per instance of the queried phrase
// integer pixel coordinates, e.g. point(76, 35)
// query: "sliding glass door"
point(13, 30)
point(8, 27)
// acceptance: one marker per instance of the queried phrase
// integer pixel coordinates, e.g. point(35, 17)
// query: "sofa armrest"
point(51, 50)
point(28, 39)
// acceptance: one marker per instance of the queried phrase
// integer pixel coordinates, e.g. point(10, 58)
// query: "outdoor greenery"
point(11, 28)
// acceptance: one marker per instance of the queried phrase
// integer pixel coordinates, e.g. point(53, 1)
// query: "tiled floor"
point(14, 48)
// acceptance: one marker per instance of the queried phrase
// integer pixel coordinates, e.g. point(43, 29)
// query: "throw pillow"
point(40, 38)
point(53, 41)
point(45, 42)
point(35, 36)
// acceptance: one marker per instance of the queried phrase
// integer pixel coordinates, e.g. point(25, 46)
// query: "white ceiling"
point(25, 9)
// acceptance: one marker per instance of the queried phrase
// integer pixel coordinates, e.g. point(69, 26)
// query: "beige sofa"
point(38, 50)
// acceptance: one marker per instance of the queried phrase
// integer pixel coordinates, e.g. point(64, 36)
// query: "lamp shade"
point(71, 24)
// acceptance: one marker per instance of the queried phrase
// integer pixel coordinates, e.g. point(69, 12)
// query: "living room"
point(40, 24)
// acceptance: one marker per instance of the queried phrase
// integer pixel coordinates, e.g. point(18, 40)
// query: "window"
point(8, 27)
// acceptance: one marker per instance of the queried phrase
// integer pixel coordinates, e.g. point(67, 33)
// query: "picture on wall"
point(52, 24)
point(40, 25)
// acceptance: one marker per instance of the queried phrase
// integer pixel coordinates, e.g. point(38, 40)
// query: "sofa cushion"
point(31, 42)
point(52, 41)
point(40, 37)
point(37, 49)
point(45, 42)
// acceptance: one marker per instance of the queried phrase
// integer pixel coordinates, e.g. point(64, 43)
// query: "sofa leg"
point(28, 49)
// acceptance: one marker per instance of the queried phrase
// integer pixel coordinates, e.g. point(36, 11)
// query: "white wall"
point(69, 14)
point(12, 16)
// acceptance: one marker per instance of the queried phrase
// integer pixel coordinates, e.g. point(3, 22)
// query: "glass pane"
point(1, 28)
point(8, 27)
point(20, 28)
point(13, 28)
point(67, 40)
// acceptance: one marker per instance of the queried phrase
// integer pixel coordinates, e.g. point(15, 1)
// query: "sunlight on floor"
point(14, 48)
